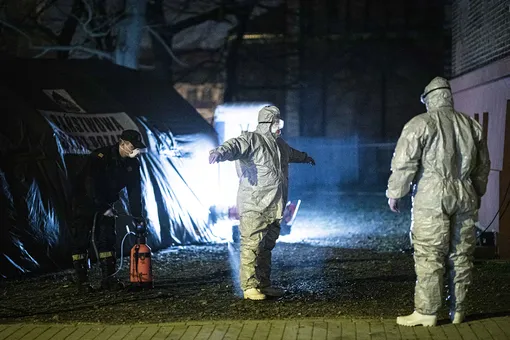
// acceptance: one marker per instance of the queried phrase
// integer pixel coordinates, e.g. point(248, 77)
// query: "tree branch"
point(47, 49)
point(214, 14)
point(109, 25)
point(166, 47)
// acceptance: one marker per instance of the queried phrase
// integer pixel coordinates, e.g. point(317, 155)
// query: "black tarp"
point(53, 113)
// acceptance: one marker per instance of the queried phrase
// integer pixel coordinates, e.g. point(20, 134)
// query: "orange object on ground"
point(140, 272)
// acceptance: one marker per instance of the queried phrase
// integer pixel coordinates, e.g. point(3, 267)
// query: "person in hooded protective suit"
point(443, 154)
point(260, 199)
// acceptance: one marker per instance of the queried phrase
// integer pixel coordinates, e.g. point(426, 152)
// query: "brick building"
point(480, 82)
point(343, 67)
point(346, 67)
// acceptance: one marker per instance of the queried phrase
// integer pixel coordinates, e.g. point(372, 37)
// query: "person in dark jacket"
point(107, 171)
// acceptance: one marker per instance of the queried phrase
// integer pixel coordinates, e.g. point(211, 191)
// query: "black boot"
point(109, 281)
point(81, 272)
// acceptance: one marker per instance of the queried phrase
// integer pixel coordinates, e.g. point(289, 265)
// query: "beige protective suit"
point(260, 196)
point(443, 154)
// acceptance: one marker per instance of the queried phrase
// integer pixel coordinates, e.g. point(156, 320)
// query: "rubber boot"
point(253, 294)
point(457, 317)
point(417, 319)
point(108, 268)
point(81, 268)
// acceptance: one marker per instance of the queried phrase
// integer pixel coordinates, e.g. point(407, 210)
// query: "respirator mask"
point(277, 126)
point(131, 153)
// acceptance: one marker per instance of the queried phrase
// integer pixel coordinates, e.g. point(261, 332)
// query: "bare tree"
point(114, 29)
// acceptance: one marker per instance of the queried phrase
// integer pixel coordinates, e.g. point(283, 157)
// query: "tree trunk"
point(66, 35)
point(231, 85)
point(130, 34)
point(162, 60)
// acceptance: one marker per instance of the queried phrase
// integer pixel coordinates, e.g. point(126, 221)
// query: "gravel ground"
point(345, 256)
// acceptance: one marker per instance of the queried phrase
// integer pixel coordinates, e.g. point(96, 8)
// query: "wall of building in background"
point(480, 33)
point(359, 67)
point(488, 90)
point(349, 69)
point(481, 84)
point(343, 69)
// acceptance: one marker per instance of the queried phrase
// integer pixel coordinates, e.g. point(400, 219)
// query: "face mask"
point(277, 126)
point(130, 154)
point(134, 153)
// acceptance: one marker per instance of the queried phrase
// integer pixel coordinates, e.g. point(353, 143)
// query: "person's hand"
point(139, 221)
point(214, 157)
point(310, 160)
point(109, 213)
point(393, 204)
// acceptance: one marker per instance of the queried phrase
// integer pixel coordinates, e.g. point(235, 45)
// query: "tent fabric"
point(54, 113)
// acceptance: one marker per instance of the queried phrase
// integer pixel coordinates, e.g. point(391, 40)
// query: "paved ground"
point(497, 328)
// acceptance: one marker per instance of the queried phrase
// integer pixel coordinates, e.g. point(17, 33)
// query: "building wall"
point(480, 33)
point(346, 69)
point(341, 68)
point(487, 89)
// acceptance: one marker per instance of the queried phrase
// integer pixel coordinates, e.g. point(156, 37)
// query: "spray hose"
point(93, 239)
point(128, 232)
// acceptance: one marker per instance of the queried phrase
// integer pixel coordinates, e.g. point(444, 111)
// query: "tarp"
point(54, 113)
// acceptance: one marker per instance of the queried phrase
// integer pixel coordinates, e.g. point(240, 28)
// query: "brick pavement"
point(342, 329)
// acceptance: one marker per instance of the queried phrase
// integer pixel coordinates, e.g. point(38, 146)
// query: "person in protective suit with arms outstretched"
point(107, 171)
point(443, 153)
point(260, 197)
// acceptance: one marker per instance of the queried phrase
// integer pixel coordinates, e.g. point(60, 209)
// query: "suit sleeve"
point(480, 174)
point(134, 190)
point(296, 156)
point(235, 148)
point(406, 158)
point(93, 167)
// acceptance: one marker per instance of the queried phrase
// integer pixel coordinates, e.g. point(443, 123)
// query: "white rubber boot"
point(417, 319)
point(253, 294)
point(457, 317)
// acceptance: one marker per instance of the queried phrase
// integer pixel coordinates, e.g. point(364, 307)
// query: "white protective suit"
point(260, 196)
point(443, 154)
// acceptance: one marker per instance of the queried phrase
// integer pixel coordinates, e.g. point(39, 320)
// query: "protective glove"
point(214, 157)
point(310, 160)
point(110, 213)
point(140, 226)
point(393, 204)
point(139, 221)
point(101, 206)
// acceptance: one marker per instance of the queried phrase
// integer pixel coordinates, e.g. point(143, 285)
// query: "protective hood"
point(437, 94)
point(267, 115)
